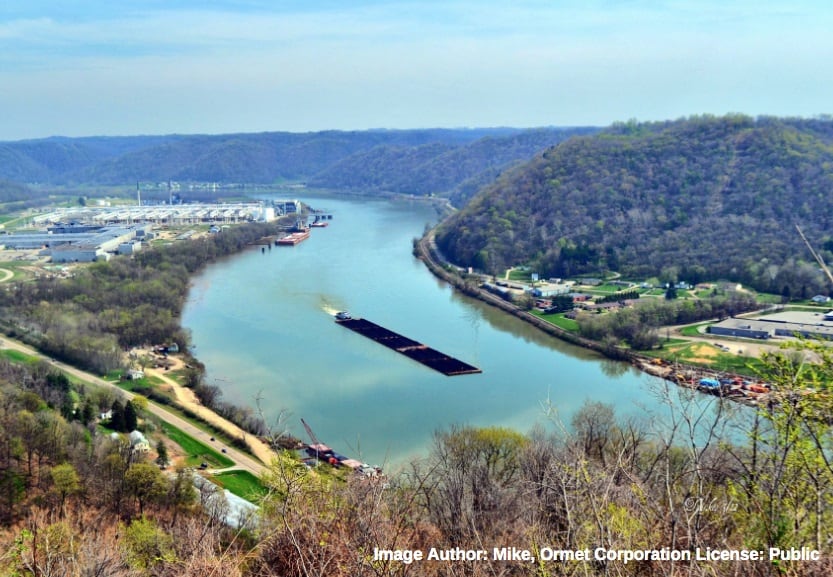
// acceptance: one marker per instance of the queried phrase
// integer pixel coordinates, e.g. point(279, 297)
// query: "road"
point(241, 460)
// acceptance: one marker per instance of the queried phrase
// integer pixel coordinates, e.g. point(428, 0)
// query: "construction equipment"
point(816, 255)
point(311, 435)
point(317, 449)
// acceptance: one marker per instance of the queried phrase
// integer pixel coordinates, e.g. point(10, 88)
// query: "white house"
point(138, 442)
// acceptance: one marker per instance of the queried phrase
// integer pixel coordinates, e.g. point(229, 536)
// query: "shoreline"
point(682, 375)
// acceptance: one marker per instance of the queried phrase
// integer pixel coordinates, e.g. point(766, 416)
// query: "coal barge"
point(412, 349)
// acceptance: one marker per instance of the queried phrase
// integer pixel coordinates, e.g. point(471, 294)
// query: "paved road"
point(242, 460)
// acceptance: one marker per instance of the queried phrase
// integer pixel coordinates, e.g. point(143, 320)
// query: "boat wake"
point(328, 308)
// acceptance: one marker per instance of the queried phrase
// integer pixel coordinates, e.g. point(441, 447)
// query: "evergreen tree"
point(117, 420)
point(87, 412)
point(131, 418)
point(162, 454)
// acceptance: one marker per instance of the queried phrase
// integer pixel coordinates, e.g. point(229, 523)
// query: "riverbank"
point(426, 250)
point(188, 401)
point(687, 376)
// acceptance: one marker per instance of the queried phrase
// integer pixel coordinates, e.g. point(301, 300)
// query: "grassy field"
point(241, 483)
point(195, 451)
point(707, 355)
point(559, 320)
point(519, 275)
point(18, 357)
point(693, 330)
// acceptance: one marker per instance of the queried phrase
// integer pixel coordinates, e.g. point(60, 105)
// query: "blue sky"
point(158, 67)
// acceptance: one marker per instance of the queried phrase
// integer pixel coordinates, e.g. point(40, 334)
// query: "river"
point(263, 326)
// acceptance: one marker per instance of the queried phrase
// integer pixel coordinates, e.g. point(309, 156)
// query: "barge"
point(293, 238)
point(412, 349)
point(317, 452)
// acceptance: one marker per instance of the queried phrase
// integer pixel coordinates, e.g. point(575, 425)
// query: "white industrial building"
point(197, 213)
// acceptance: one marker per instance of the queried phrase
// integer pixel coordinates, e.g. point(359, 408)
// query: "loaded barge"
point(293, 238)
point(419, 352)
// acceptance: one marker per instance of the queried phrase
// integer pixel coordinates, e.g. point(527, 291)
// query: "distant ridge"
point(427, 161)
point(694, 199)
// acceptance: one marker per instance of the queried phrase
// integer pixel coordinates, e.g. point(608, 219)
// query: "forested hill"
point(692, 199)
point(413, 161)
point(453, 170)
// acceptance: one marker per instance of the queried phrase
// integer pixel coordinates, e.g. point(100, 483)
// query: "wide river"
point(263, 326)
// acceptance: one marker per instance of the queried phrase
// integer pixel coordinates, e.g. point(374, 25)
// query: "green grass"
point(179, 375)
point(241, 483)
point(673, 342)
point(18, 357)
point(196, 452)
point(220, 435)
point(19, 269)
point(113, 376)
point(693, 330)
point(770, 299)
point(607, 289)
point(559, 320)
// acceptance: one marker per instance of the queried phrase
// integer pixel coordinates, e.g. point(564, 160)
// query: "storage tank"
point(268, 214)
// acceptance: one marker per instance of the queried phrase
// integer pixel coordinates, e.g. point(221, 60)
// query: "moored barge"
point(293, 238)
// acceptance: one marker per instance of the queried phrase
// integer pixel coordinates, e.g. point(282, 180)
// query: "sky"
point(94, 67)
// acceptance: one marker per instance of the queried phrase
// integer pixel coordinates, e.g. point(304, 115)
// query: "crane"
point(317, 449)
point(816, 255)
point(311, 435)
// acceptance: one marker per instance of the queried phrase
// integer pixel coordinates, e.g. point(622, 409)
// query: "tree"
point(146, 545)
point(593, 426)
point(117, 420)
point(146, 483)
point(162, 454)
point(131, 418)
point(788, 480)
point(65, 481)
point(88, 412)
point(467, 488)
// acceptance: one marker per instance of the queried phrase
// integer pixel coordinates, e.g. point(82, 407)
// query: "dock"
point(412, 349)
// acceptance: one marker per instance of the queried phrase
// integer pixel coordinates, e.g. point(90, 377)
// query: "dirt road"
point(186, 398)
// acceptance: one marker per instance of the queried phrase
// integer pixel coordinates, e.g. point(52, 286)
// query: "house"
point(581, 297)
point(133, 374)
point(138, 442)
point(820, 299)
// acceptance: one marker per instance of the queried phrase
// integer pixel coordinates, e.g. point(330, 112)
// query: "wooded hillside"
point(692, 199)
point(428, 161)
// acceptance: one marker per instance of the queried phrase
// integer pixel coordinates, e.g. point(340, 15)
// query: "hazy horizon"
point(183, 67)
